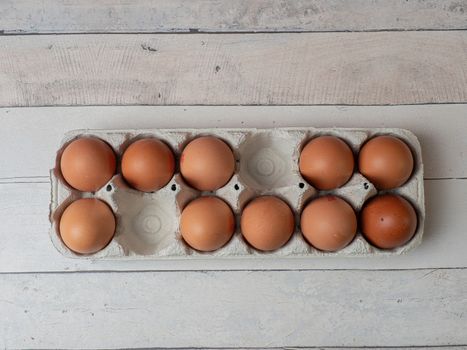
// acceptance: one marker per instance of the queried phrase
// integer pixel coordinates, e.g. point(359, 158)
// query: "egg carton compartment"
point(266, 164)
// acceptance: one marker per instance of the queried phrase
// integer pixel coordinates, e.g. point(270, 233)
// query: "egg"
point(87, 164)
point(328, 223)
point(207, 223)
point(388, 221)
point(207, 163)
point(267, 223)
point(87, 225)
point(386, 161)
point(148, 164)
point(326, 162)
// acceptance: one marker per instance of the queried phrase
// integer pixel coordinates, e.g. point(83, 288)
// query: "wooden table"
point(210, 63)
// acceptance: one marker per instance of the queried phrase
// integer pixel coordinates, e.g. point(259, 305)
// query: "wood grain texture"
point(441, 129)
point(81, 16)
point(166, 69)
point(26, 246)
point(233, 309)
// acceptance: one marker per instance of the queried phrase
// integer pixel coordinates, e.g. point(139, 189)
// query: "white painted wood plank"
point(29, 137)
point(234, 309)
point(166, 69)
point(80, 16)
point(26, 247)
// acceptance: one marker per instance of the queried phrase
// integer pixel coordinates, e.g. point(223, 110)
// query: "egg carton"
point(266, 164)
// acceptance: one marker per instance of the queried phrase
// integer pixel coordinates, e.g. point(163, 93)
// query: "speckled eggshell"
point(388, 221)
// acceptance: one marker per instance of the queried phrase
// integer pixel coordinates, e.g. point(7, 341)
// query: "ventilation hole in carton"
point(365, 186)
point(236, 187)
point(173, 187)
point(301, 185)
point(108, 188)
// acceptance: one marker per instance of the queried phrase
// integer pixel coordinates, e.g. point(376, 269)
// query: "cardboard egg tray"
point(266, 163)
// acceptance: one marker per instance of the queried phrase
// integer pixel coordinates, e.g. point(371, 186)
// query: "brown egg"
point(329, 223)
point(87, 164)
point(207, 223)
point(386, 161)
point(148, 165)
point(388, 221)
point(207, 163)
point(267, 223)
point(326, 162)
point(87, 225)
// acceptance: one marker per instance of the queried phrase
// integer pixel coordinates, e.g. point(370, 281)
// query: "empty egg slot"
point(267, 161)
point(146, 221)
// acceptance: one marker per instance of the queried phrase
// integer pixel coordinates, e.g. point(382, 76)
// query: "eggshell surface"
point(328, 223)
point(207, 223)
point(87, 164)
point(388, 221)
point(386, 161)
point(87, 225)
point(148, 165)
point(267, 223)
point(207, 163)
point(326, 162)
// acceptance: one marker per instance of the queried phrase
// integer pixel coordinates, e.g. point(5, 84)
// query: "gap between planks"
point(306, 347)
point(195, 31)
point(144, 16)
point(415, 104)
point(429, 269)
